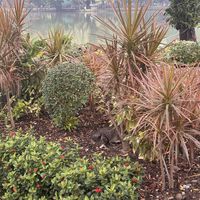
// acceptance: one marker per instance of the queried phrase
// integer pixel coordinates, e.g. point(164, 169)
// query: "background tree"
point(87, 4)
point(39, 3)
point(184, 15)
point(56, 4)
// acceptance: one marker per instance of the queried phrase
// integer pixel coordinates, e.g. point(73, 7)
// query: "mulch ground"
point(187, 177)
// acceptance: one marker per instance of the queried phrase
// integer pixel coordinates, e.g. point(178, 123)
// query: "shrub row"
point(31, 168)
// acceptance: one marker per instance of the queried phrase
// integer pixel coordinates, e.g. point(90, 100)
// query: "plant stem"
point(161, 165)
point(9, 107)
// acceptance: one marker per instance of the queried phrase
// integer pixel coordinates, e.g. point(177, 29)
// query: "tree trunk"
point(10, 115)
point(188, 34)
point(87, 4)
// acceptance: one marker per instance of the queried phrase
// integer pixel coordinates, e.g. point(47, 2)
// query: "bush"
point(66, 89)
point(75, 51)
point(34, 169)
point(183, 52)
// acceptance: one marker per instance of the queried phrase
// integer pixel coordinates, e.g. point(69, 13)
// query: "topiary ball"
point(66, 89)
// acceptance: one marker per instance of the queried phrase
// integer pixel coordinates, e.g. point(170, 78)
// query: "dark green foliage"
point(183, 52)
point(184, 15)
point(35, 169)
point(66, 89)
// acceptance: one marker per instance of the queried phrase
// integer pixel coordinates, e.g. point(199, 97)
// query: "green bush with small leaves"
point(66, 89)
point(75, 51)
point(183, 52)
point(33, 168)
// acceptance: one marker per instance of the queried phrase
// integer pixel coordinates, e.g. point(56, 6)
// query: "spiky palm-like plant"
point(133, 43)
point(167, 112)
point(56, 45)
point(11, 27)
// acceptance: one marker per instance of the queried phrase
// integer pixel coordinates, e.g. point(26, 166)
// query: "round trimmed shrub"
point(66, 89)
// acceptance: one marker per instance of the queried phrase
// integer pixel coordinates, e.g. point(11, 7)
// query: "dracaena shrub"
point(132, 41)
point(167, 115)
point(12, 18)
point(36, 169)
point(66, 89)
point(56, 45)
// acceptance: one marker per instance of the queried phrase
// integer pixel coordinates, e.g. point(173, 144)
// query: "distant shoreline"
point(93, 9)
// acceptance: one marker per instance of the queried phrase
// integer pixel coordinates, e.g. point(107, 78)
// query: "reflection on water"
point(83, 27)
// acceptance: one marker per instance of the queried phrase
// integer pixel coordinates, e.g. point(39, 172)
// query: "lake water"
point(83, 27)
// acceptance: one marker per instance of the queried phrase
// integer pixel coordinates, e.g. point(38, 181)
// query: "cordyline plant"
point(133, 42)
point(56, 45)
point(137, 35)
point(11, 27)
point(167, 112)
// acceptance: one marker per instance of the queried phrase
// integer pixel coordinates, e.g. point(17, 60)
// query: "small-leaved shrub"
point(66, 89)
point(183, 52)
point(32, 168)
point(75, 51)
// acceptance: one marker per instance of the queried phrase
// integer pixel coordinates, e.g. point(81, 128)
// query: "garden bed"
point(187, 182)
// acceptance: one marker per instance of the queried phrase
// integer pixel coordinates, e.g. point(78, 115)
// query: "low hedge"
point(32, 168)
point(183, 52)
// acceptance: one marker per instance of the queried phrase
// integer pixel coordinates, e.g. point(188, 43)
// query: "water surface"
point(83, 27)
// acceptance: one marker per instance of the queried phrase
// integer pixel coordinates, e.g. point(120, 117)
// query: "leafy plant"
point(183, 52)
point(23, 108)
point(66, 89)
point(36, 169)
point(167, 112)
point(34, 68)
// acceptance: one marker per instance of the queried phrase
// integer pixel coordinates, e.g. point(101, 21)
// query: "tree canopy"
point(184, 13)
